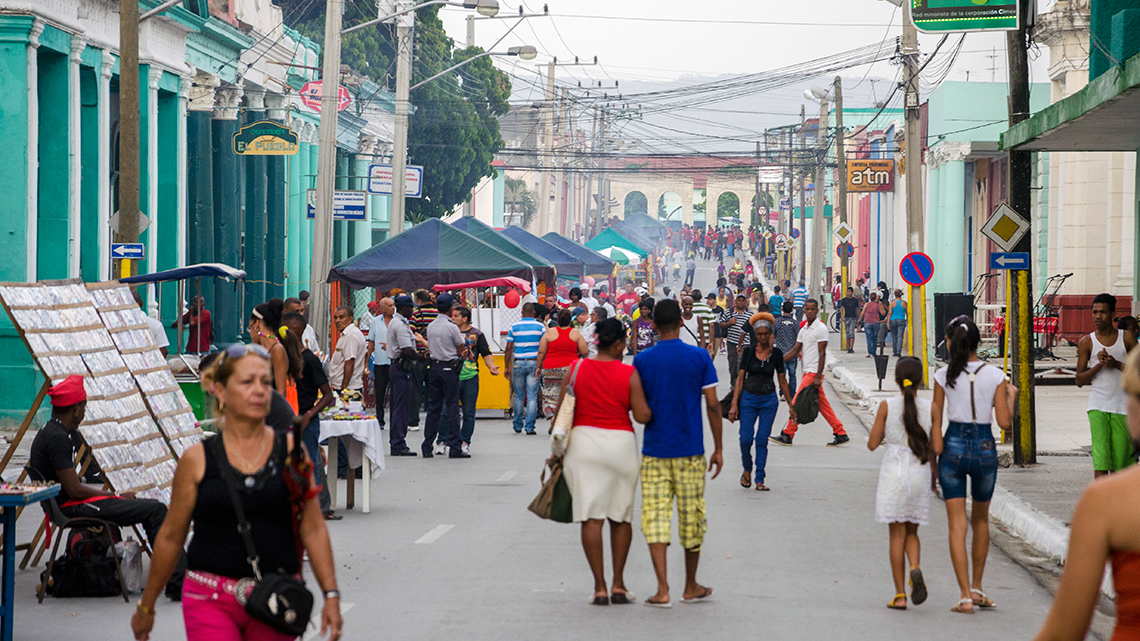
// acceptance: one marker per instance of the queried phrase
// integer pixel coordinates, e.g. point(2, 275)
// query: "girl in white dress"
point(906, 480)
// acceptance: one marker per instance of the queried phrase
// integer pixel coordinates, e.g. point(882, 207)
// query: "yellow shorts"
point(665, 478)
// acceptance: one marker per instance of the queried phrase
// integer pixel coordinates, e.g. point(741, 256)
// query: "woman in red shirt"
point(559, 348)
point(601, 463)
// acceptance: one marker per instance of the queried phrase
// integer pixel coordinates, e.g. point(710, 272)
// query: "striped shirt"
point(799, 296)
point(421, 318)
point(526, 335)
point(740, 319)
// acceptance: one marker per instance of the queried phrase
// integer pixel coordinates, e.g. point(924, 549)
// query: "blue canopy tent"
point(568, 265)
point(594, 264)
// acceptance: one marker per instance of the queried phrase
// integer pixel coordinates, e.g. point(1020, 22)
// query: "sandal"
point(893, 604)
point(599, 600)
point(664, 605)
point(622, 598)
point(917, 587)
point(961, 602)
point(746, 480)
point(985, 602)
point(760, 487)
point(702, 597)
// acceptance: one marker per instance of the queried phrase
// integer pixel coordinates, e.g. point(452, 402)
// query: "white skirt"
point(601, 467)
point(904, 488)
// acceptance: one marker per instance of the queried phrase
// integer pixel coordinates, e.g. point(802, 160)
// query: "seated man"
point(53, 458)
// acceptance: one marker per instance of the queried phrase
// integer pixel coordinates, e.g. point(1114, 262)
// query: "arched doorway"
point(728, 205)
point(635, 202)
point(669, 207)
point(699, 207)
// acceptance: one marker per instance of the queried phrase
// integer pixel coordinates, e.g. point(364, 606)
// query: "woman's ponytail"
point(908, 375)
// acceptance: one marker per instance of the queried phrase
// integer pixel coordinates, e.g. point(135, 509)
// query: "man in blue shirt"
point(521, 368)
point(675, 377)
point(799, 299)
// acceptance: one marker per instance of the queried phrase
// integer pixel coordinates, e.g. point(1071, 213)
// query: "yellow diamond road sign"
point(767, 234)
point(1005, 227)
point(842, 232)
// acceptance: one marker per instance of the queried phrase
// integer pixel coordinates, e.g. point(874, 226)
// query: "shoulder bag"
point(553, 501)
point(278, 600)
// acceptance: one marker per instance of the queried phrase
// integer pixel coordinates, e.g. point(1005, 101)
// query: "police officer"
point(402, 351)
point(444, 344)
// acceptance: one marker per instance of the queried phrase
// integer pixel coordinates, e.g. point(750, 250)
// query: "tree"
point(519, 201)
point(727, 205)
point(636, 201)
point(453, 128)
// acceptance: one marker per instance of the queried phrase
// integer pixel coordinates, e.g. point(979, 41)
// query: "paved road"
point(450, 552)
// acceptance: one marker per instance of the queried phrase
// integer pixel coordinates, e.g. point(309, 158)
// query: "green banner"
point(941, 16)
point(265, 138)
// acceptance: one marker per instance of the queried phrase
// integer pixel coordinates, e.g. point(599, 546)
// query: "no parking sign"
point(916, 269)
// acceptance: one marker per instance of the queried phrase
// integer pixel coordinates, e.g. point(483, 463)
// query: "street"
point(450, 551)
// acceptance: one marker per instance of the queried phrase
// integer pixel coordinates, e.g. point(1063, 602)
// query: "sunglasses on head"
point(238, 350)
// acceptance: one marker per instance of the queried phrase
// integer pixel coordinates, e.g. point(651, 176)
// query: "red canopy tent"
point(506, 281)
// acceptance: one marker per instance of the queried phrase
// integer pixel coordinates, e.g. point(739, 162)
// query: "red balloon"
point(590, 281)
point(512, 299)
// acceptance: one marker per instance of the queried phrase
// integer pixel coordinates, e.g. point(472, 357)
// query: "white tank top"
point(1106, 394)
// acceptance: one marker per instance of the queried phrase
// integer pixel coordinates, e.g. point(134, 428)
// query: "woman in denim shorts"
point(973, 393)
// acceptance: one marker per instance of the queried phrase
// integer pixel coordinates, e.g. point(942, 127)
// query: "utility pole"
point(1020, 183)
point(756, 198)
point(912, 159)
point(818, 223)
point(470, 31)
point(326, 174)
point(802, 242)
point(841, 193)
point(547, 143)
point(129, 125)
point(404, 26)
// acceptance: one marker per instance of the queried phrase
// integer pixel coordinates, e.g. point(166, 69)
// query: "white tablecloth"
point(362, 435)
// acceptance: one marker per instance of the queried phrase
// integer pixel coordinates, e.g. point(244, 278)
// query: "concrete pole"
point(547, 144)
point(801, 243)
point(319, 313)
point(470, 31)
point(912, 157)
point(841, 192)
point(818, 225)
point(400, 135)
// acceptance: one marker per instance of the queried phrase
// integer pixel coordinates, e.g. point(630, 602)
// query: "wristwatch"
point(332, 594)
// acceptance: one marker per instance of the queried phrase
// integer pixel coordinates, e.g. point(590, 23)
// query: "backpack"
point(86, 567)
point(806, 404)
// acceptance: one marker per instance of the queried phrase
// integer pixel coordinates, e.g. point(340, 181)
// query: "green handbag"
point(553, 501)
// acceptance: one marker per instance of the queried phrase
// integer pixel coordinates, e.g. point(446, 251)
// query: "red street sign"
point(916, 269)
point(311, 96)
point(844, 248)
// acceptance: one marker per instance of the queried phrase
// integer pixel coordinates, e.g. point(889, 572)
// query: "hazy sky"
point(717, 37)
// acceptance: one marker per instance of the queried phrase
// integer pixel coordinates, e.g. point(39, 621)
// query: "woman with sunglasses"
point(283, 346)
point(282, 519)
point(1104, 531)
point(973, 394)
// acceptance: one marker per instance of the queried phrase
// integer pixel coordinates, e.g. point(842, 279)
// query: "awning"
point(568, 265)
point(543, 269)
point(595, 263)
point(506, 281)
point(1103, 116)
point(203, 270)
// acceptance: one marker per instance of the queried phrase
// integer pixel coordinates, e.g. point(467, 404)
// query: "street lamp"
point(525, 52)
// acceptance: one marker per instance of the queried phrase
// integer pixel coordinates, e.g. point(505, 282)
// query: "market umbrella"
point(611, 237)
point(621, 255)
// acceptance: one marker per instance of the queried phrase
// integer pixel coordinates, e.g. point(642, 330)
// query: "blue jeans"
point(757, 413)
point(969, 450)
point(468, 396)
point(872, 332)
point(898, 328)
point(524, 391)
point(790, 371)
point(310, 438)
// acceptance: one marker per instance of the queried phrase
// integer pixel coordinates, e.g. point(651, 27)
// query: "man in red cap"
point(53, 458)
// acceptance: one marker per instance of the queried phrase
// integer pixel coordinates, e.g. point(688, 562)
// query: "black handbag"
point(278, 600)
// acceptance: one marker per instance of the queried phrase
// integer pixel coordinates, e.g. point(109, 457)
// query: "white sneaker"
point(413, 428)
point(440, 449)
point(466, 449)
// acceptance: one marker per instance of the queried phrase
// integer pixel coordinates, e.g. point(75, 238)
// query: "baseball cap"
point(444, 300)
point(403, 300)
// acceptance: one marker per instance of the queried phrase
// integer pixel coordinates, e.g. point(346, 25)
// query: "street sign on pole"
point(795, 232)
point(347, 205)
point(844, 250)
point(1016, 260)
point(940, 16)
point(843, 232)
point(916, 269)
point(311, 96)
point(380, 180)
point(1005, 227)
point(767, 234)
point(114, 223)
point(132, 251)
point(791, 243)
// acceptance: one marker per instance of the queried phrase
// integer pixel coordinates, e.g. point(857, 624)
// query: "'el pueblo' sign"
point(265, 138)
point(870, 175)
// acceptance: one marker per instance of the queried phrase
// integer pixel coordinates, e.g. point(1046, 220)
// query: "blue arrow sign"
point(131, 251)
point(1015, 260)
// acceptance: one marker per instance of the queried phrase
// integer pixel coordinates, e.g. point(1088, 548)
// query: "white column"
point(184, 84)
point(32, 205)
point(75, 149)
point(152, 171)
point(105, 165)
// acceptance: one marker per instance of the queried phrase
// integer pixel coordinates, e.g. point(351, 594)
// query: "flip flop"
point(700, 599)
point(961, 602)
point(986, 602)
point(599, 600)
point(917, 587)
point(333, 516)
point(746, 480)
point(654, 604)
point(760, 487)
point(622, 598)
point(892, 605)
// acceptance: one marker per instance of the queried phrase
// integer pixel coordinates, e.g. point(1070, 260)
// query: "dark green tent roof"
point(595, 263)
point(610, 237)
point(543, 269)
point(432, 253)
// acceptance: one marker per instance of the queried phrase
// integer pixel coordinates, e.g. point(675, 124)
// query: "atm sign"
point(870, 175)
